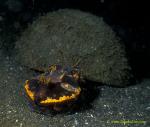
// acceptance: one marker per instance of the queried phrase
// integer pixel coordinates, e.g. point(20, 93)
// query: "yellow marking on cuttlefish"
point(30, 94)
point(52, 68)
point(63, 98)
point(44, 80)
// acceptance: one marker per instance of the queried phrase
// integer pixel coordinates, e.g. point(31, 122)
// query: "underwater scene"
point(74, 63)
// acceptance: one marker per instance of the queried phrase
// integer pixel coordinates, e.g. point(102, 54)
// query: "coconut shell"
point(70, 37)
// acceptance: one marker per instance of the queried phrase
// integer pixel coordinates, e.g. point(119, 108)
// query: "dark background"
point(130, 20)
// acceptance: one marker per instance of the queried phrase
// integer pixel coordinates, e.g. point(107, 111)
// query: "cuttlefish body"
point(56, 88)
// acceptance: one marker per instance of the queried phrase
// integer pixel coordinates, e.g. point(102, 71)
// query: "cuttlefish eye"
point(68, 87)
point(69, 83)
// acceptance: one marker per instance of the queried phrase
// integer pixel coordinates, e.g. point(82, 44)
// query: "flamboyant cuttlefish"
point(57, 88)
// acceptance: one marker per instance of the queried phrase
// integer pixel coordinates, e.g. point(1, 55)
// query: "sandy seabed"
point(129, 103)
